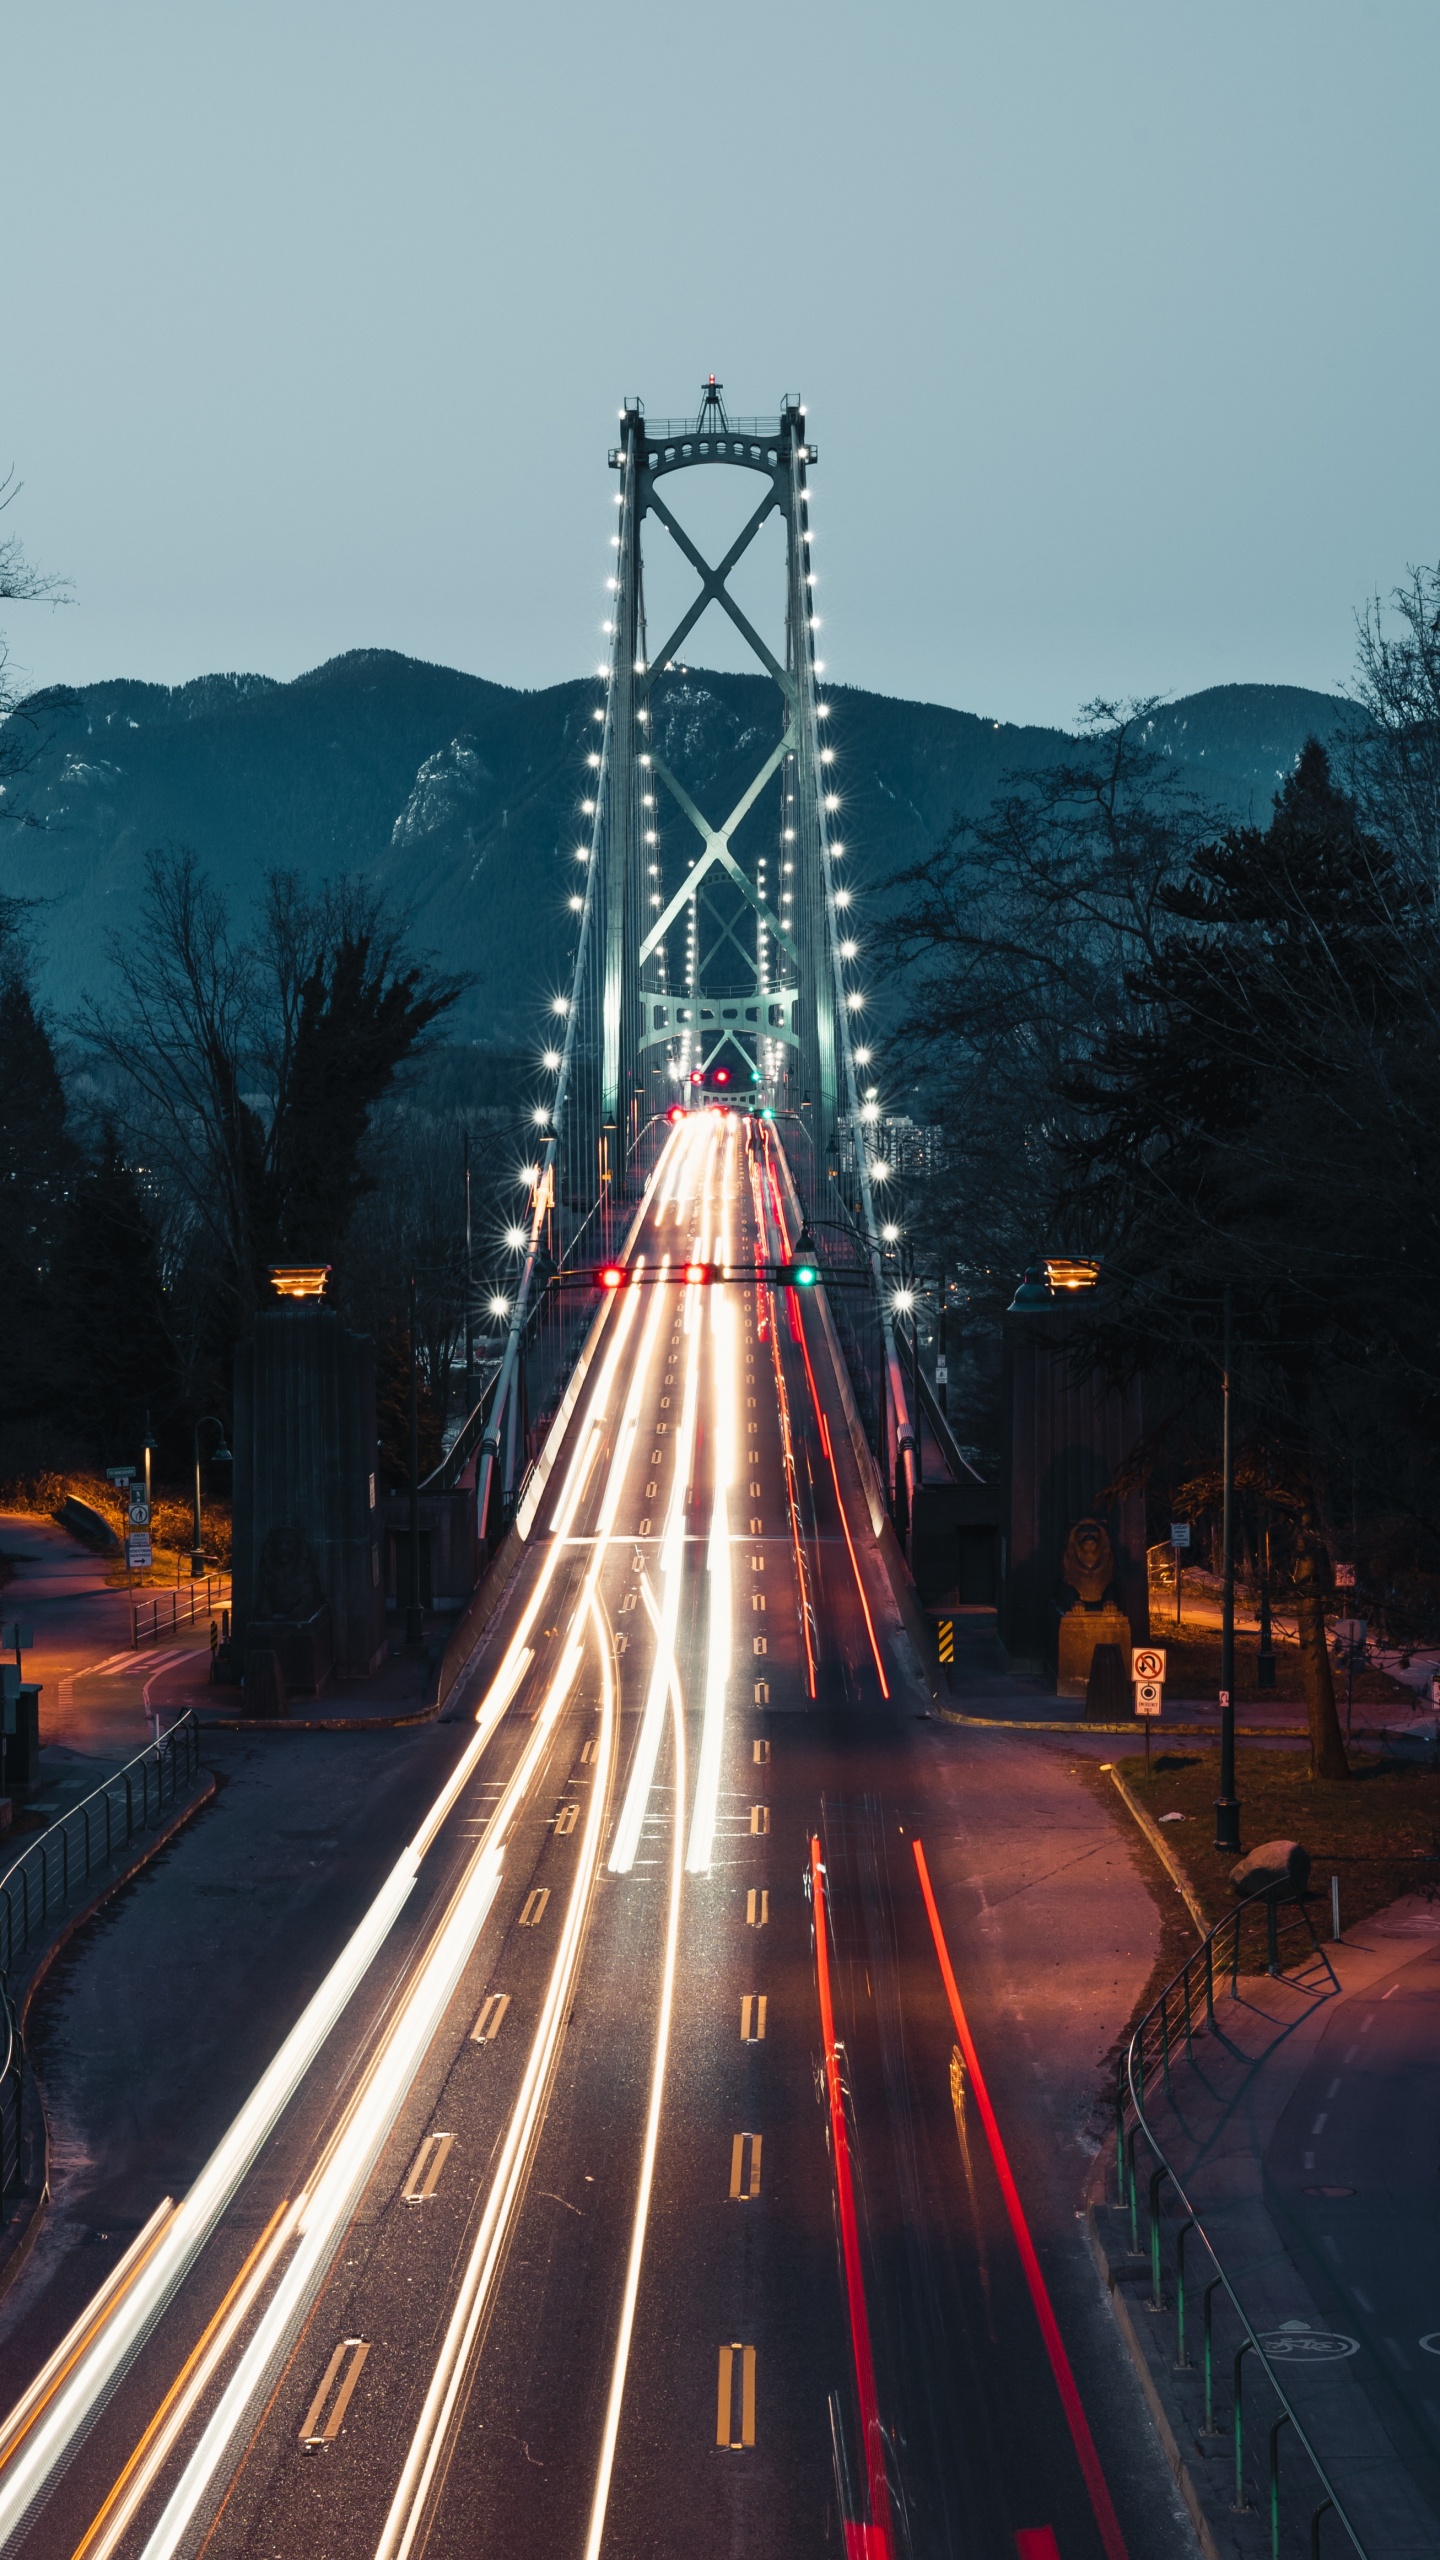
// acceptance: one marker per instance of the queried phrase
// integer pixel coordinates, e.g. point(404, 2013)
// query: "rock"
point(1281, 1863)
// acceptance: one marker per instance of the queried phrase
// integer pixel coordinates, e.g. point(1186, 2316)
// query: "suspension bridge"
point(603, 2194)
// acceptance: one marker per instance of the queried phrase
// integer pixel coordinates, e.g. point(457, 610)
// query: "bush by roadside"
point(42, 1491)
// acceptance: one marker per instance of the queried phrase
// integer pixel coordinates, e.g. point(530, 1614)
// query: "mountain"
point(461, 797)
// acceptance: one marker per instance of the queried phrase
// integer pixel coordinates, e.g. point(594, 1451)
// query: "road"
point(566, 2218)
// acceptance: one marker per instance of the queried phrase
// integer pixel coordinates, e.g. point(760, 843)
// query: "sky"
point(1116, 326)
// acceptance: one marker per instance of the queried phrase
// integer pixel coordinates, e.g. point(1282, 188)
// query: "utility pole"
point(469, 1294)
point(414, 1615)
point(1227, 1808)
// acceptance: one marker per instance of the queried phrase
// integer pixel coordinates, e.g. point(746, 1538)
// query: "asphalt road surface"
point(567, 2219)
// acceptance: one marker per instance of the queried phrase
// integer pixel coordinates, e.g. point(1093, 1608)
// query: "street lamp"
point(219, 1457)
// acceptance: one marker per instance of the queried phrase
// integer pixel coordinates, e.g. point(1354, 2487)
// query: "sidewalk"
point(94, 1680)
point(1307, 2136)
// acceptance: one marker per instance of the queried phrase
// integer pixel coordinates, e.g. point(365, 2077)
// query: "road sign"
point(1148, 1696)
point(21, 1636)
point(1147, 1662)
point(137, 1552)
point(1179, 1533)
point(120, 1475)
point(139, 1511)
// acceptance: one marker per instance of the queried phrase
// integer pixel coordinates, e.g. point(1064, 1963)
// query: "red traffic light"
point(675, 1112)
point(613, 1275)
point(722, 1075)
point(698, 1275)
point(697, 1075)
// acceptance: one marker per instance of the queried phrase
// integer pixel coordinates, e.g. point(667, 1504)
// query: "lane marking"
point(745, 2168)
point(491, 2019)
point(533, 1909)
point(313, 2434)
point(759, 1820)
point(760, 1753)
point(754, 2008)
point(565, 1820)
point(587, 1751)
point(425, 2168)
point(757, 1907)
point(1079, 2425)
point(725, 2436)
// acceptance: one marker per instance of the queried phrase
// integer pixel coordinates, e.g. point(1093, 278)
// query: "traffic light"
point(699, 1275)
point(612, 1275)
point(675, 1112)
point(796, 1275)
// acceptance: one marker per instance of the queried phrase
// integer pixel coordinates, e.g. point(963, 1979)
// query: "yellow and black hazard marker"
point(945, 1638)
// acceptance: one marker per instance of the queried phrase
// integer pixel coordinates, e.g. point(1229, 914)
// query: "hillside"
point(461, 796)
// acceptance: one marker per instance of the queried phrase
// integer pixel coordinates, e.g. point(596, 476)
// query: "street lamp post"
point(219, 1457)
point(414, 1614)
point(1227, 1807)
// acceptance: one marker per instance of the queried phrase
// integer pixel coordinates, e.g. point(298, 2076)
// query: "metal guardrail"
point(57, 1865)
point(52, 1870)
point(216, 1591)
point(1163, 2041)
point(12, 2097)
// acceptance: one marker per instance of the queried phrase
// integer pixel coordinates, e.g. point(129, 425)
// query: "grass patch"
point(1380, 1833)
point(1193, 1669)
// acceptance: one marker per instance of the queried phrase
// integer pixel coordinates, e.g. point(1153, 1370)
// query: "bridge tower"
point(713, 952)
point(721, 966)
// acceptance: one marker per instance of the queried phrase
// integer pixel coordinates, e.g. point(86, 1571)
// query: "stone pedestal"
point(1081, 1629)
point(1065, 1433)
point(307, 1568)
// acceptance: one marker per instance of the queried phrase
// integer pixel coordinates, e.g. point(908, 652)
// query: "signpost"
point(1147, 1670)
point(1179, 1540)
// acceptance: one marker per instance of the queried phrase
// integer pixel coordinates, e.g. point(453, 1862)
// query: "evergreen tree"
point(114, 1359)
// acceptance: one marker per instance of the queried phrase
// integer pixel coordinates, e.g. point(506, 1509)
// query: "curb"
point(319, 1724)
point(34, 2224)
point(1179, 2468)
point(1162, 1733)
point(1151, 1833)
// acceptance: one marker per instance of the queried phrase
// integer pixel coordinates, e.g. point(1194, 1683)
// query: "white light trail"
point(601, 2498)
point(462, 2334)
point(626, 1843)
point(726, 1371)
point(125, 2321)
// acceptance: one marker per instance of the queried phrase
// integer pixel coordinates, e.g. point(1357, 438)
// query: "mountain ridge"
point(460, 797)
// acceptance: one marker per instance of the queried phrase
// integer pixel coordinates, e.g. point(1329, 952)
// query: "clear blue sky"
point(1117, 324)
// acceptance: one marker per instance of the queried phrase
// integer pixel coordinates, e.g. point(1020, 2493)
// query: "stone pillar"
point(1065, 1431)
point(307, 1522)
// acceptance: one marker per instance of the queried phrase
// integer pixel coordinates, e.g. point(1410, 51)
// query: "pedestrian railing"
point(157, 1613)
point(1264, 1934)
point(57, 1865)
point(12, 2098)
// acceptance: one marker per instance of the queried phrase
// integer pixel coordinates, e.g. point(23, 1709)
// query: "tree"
point(253, 1065)
point(114, 1353)
point(1395, 759)
point(1267, 1083)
